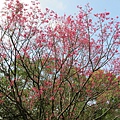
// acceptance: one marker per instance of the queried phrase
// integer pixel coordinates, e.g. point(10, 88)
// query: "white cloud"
point(52, 4)
point(1, 4)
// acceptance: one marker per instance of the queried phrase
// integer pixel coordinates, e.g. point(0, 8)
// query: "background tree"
point(61, 71)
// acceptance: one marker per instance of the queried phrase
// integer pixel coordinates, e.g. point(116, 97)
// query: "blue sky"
point(69, 6)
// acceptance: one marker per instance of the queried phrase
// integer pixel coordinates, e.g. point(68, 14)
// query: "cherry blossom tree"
point(58, 67)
